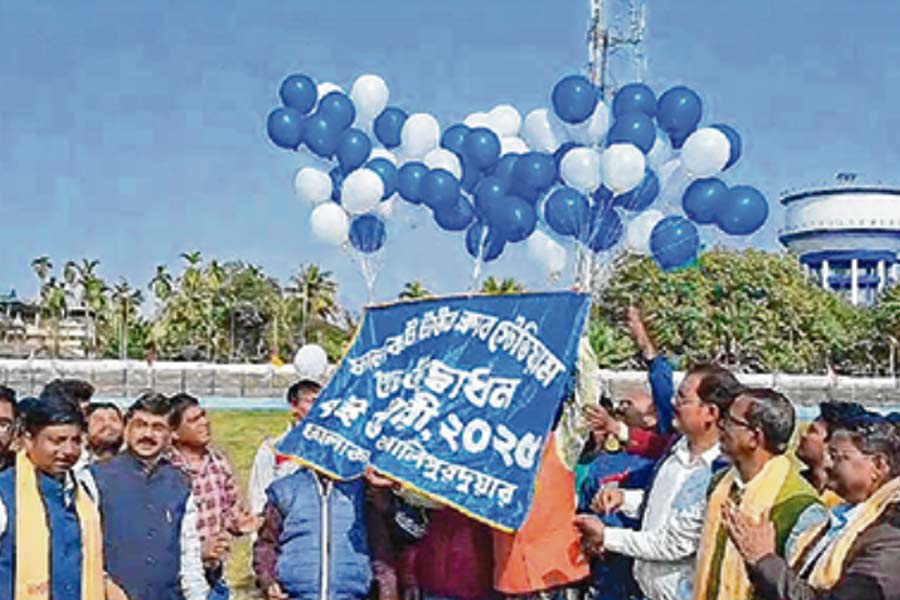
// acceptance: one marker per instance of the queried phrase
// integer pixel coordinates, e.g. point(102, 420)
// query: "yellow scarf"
point(33, 539)
point(830, 566)
point(759, 496)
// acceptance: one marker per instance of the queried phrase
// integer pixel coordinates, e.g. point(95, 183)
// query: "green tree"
point(413, 290)
point(507, 286)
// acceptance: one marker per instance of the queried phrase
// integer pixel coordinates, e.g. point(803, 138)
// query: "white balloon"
point(361, 191)
point(386, 208)
point(538, 132)
point(580, 169)
point(383, 153)
point(326, 87)
point(370, 96)
point(421, 133)
point(547, 252)
point(660, 153)
point(330, 223)
point(673, 181)
point(441, 158)
point(592, 130)
point(705, 152)
point(514, 145)
point(479, 119)
point(311, 362)
point(313, 185)
point(506, 120)
point(638, 237)
point(623, 167)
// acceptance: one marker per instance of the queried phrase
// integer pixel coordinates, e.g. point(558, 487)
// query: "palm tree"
point(162, 284)
point(127, 300)
point(42, 267)
point(318, 290)
point(507, 286)
point(53, 309)
point(413, 290)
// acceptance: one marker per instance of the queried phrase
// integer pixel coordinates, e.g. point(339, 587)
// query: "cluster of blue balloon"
point(497, 177)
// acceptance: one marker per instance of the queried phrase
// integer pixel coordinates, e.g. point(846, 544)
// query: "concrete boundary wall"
point(118, 379)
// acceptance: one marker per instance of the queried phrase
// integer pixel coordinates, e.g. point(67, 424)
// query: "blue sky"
point(133, 131)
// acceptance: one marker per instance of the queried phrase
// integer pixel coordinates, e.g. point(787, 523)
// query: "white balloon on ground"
point(441, 158)
point(506, 120)
point(593, 130)
point(330, 223)
point(311, 362)
point(660, 153)
point(705, 152)
point(420, 134)
point(538, 132)
point(623, 167)
point(580, 169)
point(547, 252)
point(370, 96)
point(513, 145)
point(637, 238)
point(326, 87)
point(383, 153)
point(361, 191)
point(313, 185)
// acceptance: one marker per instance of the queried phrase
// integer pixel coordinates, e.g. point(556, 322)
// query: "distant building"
point(24, 334)
point(847, 236)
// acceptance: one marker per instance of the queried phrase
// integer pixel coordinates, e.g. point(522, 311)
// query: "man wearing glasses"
point(7, 427)
point(762, 484)
point(855, 553)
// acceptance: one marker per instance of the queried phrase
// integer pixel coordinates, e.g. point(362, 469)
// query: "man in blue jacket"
point(313, 543)
point(149, 518)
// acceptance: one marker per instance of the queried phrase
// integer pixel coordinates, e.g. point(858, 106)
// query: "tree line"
point(750, 310)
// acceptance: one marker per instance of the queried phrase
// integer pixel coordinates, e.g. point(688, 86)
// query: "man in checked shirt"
point(222, 514)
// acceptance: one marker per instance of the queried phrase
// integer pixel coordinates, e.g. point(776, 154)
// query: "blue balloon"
point(471, 175)
point(337, 180)
point(703, 199)
point(605, 231)
point(633, 128)
point(734, 143)
point(409, 181)
point(488, 248)
point(482, 148)
point(353, 149)
point(454, 138)
point(338, 109)
point(743, 212)
point(678, 112)
point(567, 212)
point(641, 197)
point(456, 217)
point(388, 173)
point(440, 189)
point(634, 97)
point(517, 219)
point(285, 127)
point(367, 233)
point(504, 169)
point(322, 135)
point(299, 92)
point(674, 243)
point(574, 98)
point(388, 125)
point(533, 173)
point(489, 197)
point(603, 198)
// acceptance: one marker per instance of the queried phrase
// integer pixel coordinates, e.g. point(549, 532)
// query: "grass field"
point(239, 434)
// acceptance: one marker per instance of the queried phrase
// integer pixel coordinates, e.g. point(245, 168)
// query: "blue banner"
point(453, 396)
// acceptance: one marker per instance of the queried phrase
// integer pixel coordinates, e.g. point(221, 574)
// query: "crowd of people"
point(692, 493)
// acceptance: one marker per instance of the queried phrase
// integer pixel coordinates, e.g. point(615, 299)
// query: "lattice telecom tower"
point(616, 43)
